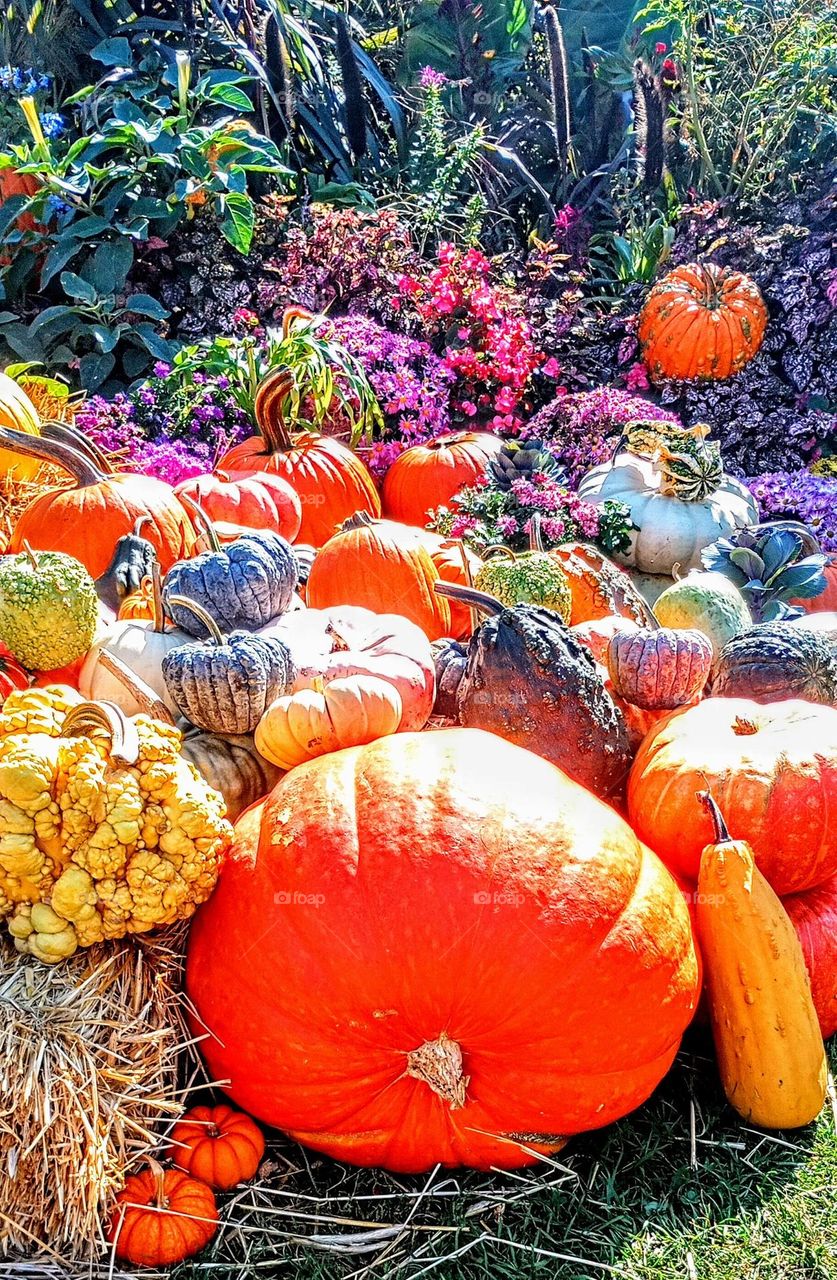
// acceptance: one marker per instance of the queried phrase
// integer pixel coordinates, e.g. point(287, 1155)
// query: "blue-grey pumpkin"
point(226, 683)
point(244, 585)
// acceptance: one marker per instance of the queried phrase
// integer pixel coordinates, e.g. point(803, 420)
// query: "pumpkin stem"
point(291, 314)
point(536, 533)
point(469, 580)
point(141, 692)
point(91, 719)
point(206, 526)
point(160, 1198)
point(140, 523)
point(722, 835)
point(30, 554)
point(268, 408)
point(742, 727)
point(79, 465)
point(66, 433)
point(183, 602)
point(360, 520)
point(479, 600)
point(439, 1064)
point(158, 623)
point(498, 549)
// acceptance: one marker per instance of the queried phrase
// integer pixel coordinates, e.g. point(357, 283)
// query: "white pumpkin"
point(668, 531)
point(346, 640)
point(142, 650)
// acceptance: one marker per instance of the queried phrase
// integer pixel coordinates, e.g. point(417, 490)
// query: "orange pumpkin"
point(88, 519)
point(14, 184)
point(330, 481)
point(382, 566)
point(438, 948)
point(701, 321)
point(239, 502)
point(219, 1145)
point(430, 475)
point(162, 1216)
point(826, 601)
point(814, 916)
point(138, 606)
point(771, 768)
point(455, 562)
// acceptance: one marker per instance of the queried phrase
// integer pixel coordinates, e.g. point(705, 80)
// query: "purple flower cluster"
point(411, 382)
point(799, 495)
point(580, 428)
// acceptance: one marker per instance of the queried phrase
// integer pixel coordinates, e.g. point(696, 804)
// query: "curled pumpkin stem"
point(722, 835)
point(269, 410)
point(183, 602)
point(92, 719)
point(205, 525)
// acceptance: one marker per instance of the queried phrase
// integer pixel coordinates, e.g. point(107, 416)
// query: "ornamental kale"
point(770, 569)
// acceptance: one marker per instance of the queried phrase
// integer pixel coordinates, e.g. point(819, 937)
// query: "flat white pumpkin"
point(668, 531)
point(142, 650)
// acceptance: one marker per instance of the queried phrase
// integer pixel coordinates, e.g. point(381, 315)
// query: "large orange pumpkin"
point(88, 519)
point(383, 566)
point(161, 1217)
point(239, 502)
point(814, 916)
point(773, 772)
point(429, 475)
point(331, 482)
point(701, 321)
point(438, 948)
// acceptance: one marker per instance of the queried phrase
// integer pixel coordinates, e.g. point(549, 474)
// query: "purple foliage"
point(580, 428)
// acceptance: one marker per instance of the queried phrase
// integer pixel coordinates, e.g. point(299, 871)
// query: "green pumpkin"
point(48, 608)
point(535, 577)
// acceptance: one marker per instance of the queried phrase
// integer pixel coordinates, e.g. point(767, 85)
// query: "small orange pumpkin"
point(162, 1216)
point(430, 475)
point(219, 1145)
point(701, 321)
point(138, 606)
point(600, 589)
point(383, 566)
point(237, 502)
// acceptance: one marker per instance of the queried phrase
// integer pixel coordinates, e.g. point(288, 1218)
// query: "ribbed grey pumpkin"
point(242, 585)
point(775, 661)
point(225, 684)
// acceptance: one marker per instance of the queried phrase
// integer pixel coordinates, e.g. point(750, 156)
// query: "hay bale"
point(90, 1052)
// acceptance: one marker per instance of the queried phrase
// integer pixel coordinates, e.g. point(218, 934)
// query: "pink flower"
point(552, 368)
point(636, 379)
point(660, 47)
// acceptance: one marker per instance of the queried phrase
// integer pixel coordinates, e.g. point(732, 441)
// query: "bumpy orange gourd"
point(219, 1145)
point(88, 519)
point(438, 948)
point(600, 589)
point(430, 475)
point(772, 769)
point(764, 1024)
point(161, 1217)
point(383, 566)
point(330, 481)
point(701, 321)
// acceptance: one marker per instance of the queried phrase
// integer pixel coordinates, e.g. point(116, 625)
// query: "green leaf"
point(230, 95)
point(111, 263)
point(65, 316)
point(75, 287)
point(159, 347)
point(239, 220)
point(94, 368)
point(113, 53)
point(142, 304)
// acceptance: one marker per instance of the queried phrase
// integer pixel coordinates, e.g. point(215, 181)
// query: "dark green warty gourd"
point(775, 661)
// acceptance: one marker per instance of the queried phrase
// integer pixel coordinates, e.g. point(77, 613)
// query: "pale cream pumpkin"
point(349, 711)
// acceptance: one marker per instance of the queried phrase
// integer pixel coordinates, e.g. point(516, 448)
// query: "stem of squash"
point(83, 471)
point(479, 600)
point(89, 718)
point(30, 554)
point(206, 526)
point(722, 835)
point(66, 433)
point(183, 602)
point(268, 410)
point(142, 693)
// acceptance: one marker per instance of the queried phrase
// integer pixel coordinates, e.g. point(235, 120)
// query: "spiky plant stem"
point(355, 109)
point(560, 82)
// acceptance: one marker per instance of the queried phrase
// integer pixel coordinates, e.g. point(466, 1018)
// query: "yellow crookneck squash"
point(767, 1037)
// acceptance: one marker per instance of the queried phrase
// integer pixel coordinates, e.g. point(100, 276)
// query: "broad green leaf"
point(115, 52)
point(239, 220)
point(111, 263)
point(142, 304)
point(94, 368)
point(75, 287)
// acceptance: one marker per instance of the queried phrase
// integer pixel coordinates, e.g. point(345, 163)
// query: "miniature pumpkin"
point(659, 668)
point(226, 683)
point(140, 645)
point(813, 915)
point(667, 531)
point(348, 640)
point(346, 712)
point(219, 1145)
point(138, 606)
point(383, 566)
point(596, 635)
point(764, 1024)
point(430, 475)
point(531, 681)
point(243, 585)
point(17, 411)
point(406, 893)
point(161, 1217)
point(49, 609)
point(701, 321)
point(772, 768)
point(12, 674)
point(232, 765)
point(330, 481)
point(88, 519)
point(772, 662)
point(239, 502)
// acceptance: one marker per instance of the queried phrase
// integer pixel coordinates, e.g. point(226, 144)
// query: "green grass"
point(637, 1201)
